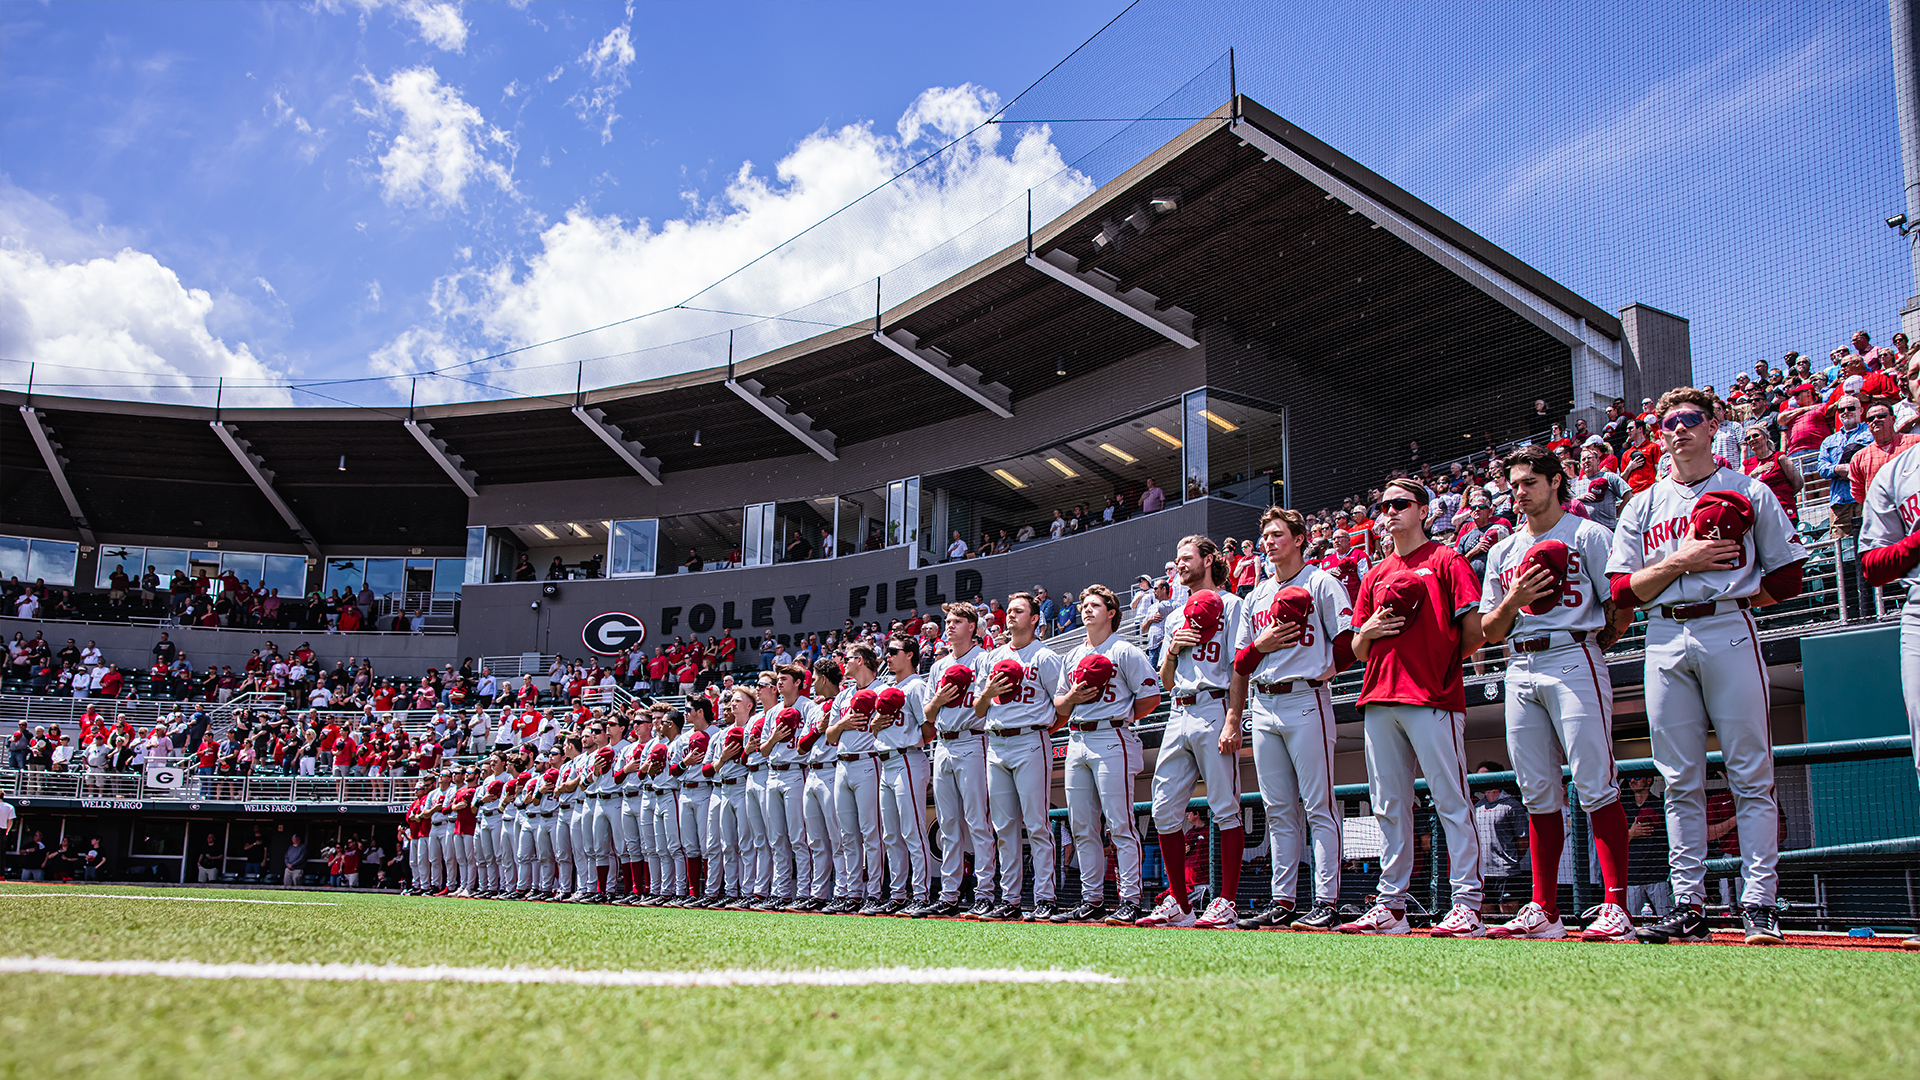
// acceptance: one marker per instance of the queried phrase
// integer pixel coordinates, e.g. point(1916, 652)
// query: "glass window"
point(448, 576)
point(247, 567)
point(133, 560)
point(165, 561)
point(158, 838)
point(288, 573)
point(756, 548)
point(475, 570)
point(13, 557)
point(386, 576)
point(1194, 457)
point(344, 575)
point(1247, 449)
point(631, 546)
point(53, 561)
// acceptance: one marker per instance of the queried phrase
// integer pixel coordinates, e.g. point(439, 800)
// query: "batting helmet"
point(1013, 672)
point(1553, 557)
point(1093, 670)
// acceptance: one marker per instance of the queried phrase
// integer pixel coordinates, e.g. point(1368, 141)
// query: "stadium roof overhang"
point(1240, 221)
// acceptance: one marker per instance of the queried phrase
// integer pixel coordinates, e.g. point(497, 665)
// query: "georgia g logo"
point(613, 632)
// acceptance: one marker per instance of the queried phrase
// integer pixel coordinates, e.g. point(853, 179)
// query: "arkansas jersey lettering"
point(1910, 510)
point(1660, 532)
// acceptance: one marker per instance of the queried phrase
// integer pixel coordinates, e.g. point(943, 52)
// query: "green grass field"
point(1194, 1004)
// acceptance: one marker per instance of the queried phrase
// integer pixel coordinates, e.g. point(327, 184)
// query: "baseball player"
point(900, 715)
point(695, 789)
point(541, 869)
point(1890, 552)
point(664, 762)
point(1295, 634)
point(632, 805)
point(491, 790)
point(757, 857)
point(1016, 701)
point(507, 845)
point(1198, 744)
point(786, 787)
point(1111, 685)
point(1698, 549)
point(1545, 594)
point(960, 765)
point(566, 828)
point(440, 860)
point(1416, 618)
point(601, 789)
point(825, 857)
point(419, 823)
point(727, 807)
point(856, 783)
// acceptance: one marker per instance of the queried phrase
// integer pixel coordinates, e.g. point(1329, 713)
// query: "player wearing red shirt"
point(1416, 618)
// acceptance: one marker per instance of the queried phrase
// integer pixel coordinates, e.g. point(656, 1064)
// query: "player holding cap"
point(664, 761)
point(856, 783)
point(1198, 744)
point(757, 856)
point(539, 805)
point(1016, 701)
point(487, 839)
point(787, 787)
point(1416, 618)
point(419, 822)
point(1698, 548)
point(827, 871)
point(1546, 595)
point(900, 717)
point(696, 789)
point(466, 822)
point(566, 829)
point(1111, 687)
point(632, 804)
point(440, 860)
point(1890, 552)
point(960, 763)
point(727, 806)
point(1295, 635)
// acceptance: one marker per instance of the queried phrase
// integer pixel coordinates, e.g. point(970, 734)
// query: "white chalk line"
point(184, 899)
point(387, 973)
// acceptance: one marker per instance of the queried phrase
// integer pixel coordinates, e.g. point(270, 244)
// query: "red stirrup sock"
point(1610, 838)
point(1546, 834)
point(1173, 851)
point(1232, 843)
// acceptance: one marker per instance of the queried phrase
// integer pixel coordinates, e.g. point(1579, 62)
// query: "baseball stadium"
point(1208, 609)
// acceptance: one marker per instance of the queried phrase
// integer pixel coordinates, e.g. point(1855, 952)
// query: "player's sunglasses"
point(1688, 419)
point(1396, 504)
point(905, 652)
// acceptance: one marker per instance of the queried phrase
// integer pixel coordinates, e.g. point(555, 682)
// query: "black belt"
point(1096, 725)
point(602, 794)
point(889, 755)
point(1189, 699)
point(1012, 731)
point(856, 757)
point(540, 813)
point(1288, 686)
point(755, 768)
point(1543, 642)
point(695, 783)
point(950, 736)
point(1683, 612)
point(781, 767)
point(735, 780)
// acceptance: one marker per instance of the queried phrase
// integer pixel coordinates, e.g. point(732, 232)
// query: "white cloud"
point(594, 269)
point(438, 22)
point(607, 61)
point(442, 143)
point(92, 313)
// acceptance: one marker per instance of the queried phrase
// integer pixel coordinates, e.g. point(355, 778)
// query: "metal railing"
point(279, 790)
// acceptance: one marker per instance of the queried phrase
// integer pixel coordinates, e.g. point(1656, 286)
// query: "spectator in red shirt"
point(344, 752)
point(1639, 462)
point(688, 676)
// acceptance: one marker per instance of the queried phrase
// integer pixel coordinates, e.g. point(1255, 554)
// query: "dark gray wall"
point(1656, 353)
point(1038, 420)
point(497, 620)
point(132, 646)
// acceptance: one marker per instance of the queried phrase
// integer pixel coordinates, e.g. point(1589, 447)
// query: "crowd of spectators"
point(223, 601)
point(1066, 521)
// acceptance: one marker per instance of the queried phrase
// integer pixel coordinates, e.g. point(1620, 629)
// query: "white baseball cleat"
point(1531, 921)
point(1610, 923)
point(1379, 919)
point(1220, 915)
point(1168, 913)
point(1462, 921)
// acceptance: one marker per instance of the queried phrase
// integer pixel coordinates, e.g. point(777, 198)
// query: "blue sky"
point(293, 191)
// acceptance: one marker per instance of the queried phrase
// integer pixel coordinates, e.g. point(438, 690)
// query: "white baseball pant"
point(466, 866)
point(564, 877)
point(1401, 738)
point(599, 822)
point(486, 845)
point(1293, 738)
point(786, 818)
point(856, 801)
point(960, 801)
point(670, 876)
point(1019, 779)
point(826, 870)
point(1701, 671)
point(756, 856)
point(1190, 753)
point(1560, 709)
point(630, 842)
point(693, 804)
point(1101, 768)
point(727, 814)
point(1910, 668)
point(903, 824)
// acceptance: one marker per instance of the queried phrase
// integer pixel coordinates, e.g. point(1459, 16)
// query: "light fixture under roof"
point(580, 530)
point(343, 463)
point(546, 532)
point(696, 436)
point(1119, 453)
point(1219, 421)
point(1165, 438)
point(1012, 480)
point(1064, 469)
point(607, 525)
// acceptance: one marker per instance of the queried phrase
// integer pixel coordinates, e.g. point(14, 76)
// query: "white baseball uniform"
point(1020, 767)
point(1190, 743)
point(1290, 714)
point(856, 799)
point(904, 774)
point(537, 863)
point(827, 870)
point(960, 783)
point(725, 816)
point(696, 790)
point(1104, 757)
point(1707, 668)
point(670, 876)
point(1559, 694)
point(786, 813)
point(487, 836)
point(756, 856)
point(1890, 514)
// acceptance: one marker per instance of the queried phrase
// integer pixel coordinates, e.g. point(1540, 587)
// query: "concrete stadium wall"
point(499, 620)
point(132, 646)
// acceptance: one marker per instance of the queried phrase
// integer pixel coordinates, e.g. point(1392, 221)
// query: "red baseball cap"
point(1292, 604)
point(697, 743)
point(1204, 612)
point(790, 717)
point(890, 701)
point(603, 755)
point(1093, 670)
point(958, 676)
point(551, 776)
point(658, 755)
point(1722, 515)
point(1015, 672)
point(1402, 593)
point(1553, 557)
point(863, 702)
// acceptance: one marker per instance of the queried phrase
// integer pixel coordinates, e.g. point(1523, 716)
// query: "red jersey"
point(658, 667)
point(1421, 664)
point(418, 823)
point(344, 751)
point(464, 820)
point(209, 753)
